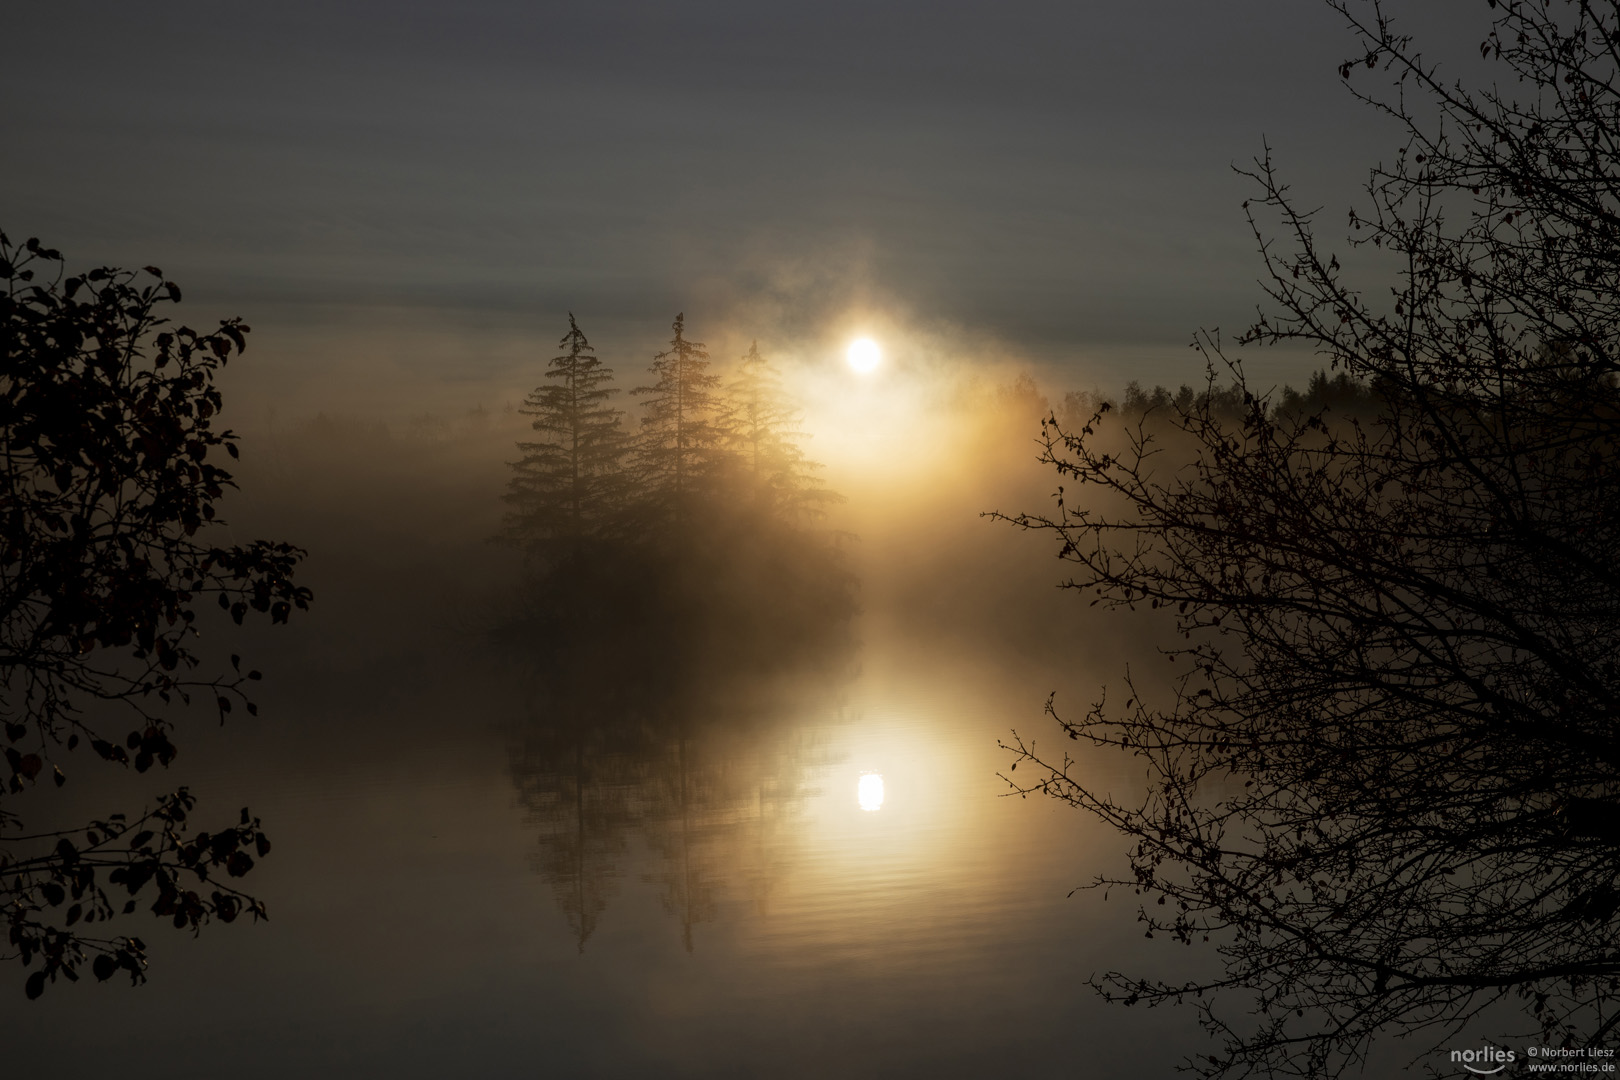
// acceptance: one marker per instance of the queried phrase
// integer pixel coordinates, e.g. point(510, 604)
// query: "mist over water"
point(646, 854)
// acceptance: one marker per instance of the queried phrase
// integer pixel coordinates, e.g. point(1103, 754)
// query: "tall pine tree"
point(761, 422)
point(679, 452)
point(569, 484)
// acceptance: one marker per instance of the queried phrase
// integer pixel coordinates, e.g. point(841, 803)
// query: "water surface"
point(481, 871)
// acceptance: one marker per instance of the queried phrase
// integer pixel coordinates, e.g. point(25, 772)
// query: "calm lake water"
point(475, 876)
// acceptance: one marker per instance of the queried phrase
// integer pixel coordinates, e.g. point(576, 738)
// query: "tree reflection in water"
point(687, 746)
point(709, 776)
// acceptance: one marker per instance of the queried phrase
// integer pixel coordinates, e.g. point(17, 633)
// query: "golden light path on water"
point(915, 859)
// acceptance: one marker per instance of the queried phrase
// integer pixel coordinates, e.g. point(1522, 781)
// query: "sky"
point(406, 199)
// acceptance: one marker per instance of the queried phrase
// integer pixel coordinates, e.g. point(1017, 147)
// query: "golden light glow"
point(870, 791)
point(864, 355)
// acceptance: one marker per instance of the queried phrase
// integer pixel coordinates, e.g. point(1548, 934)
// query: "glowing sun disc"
point(870, 791)
point(864, 355)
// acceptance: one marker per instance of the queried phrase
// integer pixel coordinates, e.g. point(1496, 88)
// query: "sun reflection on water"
point(870, 791)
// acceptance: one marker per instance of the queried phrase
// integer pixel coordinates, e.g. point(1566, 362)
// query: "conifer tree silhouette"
point(569, 484)
point(762, 424)
point(679, 451)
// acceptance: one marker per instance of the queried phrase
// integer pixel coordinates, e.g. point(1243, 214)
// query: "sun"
point(864, 355)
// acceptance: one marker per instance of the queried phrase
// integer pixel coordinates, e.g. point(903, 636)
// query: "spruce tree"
point(679, 451)
point(569, 485)
point(761, 422)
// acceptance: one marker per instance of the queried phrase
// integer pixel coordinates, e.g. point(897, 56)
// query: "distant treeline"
point(702, 514)
point(1338, 393)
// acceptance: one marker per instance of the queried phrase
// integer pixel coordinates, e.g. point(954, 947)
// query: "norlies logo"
point(1479, 1061)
